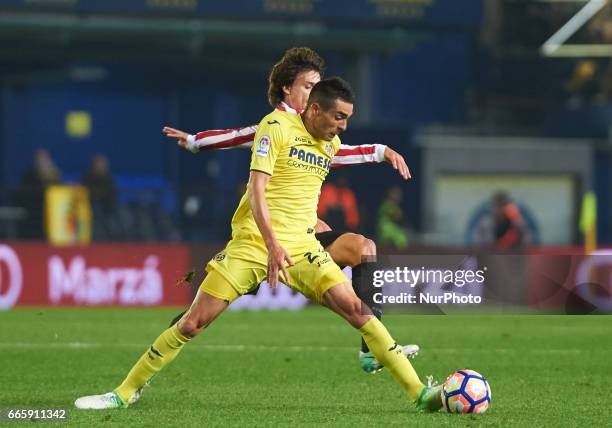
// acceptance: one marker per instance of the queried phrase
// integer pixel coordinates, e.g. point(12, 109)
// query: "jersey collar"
point(283, 106)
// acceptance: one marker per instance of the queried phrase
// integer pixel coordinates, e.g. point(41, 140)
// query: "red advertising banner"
point(566, 278)
point(99, 274)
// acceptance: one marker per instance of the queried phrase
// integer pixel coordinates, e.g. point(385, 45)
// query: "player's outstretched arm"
point(215, 139)
point(370, 153)
point(277, 256)
point(357, 155)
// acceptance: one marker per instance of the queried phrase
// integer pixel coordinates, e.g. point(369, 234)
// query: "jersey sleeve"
point(267, 145)
point(355, 155)
point(216, 139)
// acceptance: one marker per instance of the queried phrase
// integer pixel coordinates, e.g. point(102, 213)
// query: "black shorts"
point(328, 238)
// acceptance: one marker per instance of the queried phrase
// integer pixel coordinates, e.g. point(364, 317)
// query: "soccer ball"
point(466, 391)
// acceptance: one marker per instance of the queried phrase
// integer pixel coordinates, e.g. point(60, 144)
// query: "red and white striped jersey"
point(218, 139)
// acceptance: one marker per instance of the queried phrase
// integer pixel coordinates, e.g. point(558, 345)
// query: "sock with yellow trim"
point(389, 354)
point(162, 352)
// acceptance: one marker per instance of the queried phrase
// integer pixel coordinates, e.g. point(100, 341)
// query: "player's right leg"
point(358, 252)
point(342, 299)
point(209, 303)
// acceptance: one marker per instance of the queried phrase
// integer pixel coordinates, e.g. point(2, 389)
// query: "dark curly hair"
point(285, 71)
point(327, 91)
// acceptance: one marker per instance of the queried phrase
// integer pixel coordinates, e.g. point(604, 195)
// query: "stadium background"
point(462, 88)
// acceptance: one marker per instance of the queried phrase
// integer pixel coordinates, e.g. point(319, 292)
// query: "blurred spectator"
point(605, 94)
point(103, 196)
point(507, 222)
point(43, 171)
point(583, 85)
point(42, 174)
point(391, 229)
point(338, 205)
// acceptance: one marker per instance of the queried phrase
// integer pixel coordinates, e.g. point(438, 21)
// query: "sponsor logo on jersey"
point(310, 158)
point(273, 122)
point(303, 140)
point(219, 257)
point(263, 146)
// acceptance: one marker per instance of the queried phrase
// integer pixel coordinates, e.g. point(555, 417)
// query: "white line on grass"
point(267, 348)
point(232, 348)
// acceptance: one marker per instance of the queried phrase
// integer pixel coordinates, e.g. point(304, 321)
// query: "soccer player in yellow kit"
point(272, 236)
point(290, 82)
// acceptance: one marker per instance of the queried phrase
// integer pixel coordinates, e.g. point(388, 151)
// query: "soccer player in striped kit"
point(290, 83)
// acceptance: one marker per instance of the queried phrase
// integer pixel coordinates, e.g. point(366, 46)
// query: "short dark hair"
point(327, 91)
point(285, 71)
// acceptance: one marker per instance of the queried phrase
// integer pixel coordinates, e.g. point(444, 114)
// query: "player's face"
point(328, 124)
point(297, 94)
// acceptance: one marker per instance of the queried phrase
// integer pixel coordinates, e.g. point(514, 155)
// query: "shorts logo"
point(263, 146)
point(311, 258)
point(219, 257)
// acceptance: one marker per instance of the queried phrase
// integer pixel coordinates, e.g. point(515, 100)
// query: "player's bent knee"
point(353, 245)
point(361, 247)
point(364, 246)
point(369, 248)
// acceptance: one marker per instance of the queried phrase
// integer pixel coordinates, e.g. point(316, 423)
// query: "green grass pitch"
point(300, 368)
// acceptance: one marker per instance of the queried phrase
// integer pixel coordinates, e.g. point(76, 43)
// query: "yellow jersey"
point(297, 164)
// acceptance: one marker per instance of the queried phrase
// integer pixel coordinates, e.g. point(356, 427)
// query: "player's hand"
point(181, 137)
point(277, 256)
point(397, 161)
point(321, 226)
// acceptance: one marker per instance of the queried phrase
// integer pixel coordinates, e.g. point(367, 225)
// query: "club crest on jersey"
point(329, 149)
point(263, 146)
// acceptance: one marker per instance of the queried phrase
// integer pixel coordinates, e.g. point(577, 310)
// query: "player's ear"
point(287, 90)
point(315, 107)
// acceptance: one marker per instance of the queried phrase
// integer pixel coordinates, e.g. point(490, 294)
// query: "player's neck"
point(307, 120)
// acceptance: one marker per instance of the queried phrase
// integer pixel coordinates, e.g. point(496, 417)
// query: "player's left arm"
point(370, 153)
point(277, 255)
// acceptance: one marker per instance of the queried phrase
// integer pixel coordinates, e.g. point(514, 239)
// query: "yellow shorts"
point(243, 266)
